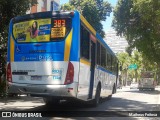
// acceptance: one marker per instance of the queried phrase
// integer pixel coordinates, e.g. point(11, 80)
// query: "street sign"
point(132, 66)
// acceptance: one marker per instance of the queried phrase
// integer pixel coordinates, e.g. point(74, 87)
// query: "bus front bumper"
point(44, 90)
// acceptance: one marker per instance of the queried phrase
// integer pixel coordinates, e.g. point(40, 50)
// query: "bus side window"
point(103, 57)
point(109, 64)
point(85, 43)
point(114, 65)
point(106, 59)
point(98, 53)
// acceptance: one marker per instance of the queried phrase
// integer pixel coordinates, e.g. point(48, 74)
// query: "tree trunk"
point(136, 75)
point(158, 74)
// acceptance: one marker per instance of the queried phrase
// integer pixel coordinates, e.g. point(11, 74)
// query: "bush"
point(2, 87)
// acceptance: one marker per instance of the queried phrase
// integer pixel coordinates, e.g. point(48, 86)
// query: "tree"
point(137, 59)
point(94, 11)
point(8, 10)
point(139, 21)
point(143, 64)
point(124, 60)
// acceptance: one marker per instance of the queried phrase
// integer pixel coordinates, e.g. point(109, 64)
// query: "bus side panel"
point(84, 81)
point(107, 81)
point(75, 46)
point(9, 41)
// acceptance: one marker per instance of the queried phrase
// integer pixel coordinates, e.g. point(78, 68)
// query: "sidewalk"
point(127, 88)
point(158, 88)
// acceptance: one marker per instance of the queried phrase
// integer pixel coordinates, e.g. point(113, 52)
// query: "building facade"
point(45, 5)
point(116, 43)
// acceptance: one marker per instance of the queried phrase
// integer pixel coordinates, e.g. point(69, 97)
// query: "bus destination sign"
point(58, 32)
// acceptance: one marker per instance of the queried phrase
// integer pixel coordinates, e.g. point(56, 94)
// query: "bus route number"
point(59, 23)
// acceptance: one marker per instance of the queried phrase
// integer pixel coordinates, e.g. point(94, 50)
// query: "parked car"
point(134, 85)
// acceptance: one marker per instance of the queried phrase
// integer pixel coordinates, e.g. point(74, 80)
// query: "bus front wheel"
point(114, 89)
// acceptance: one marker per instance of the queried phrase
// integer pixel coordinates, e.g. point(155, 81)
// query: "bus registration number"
point(36, 77)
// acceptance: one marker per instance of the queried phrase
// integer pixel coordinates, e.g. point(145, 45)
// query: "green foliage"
point(124, 59)
point(139, 21)
point(67, 6)
point(12, 8)
point(2, 88)
point(94, 11)
point(8, 10)
point(138, 59)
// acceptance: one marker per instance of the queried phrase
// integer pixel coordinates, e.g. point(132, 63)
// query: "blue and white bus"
point(59, 56)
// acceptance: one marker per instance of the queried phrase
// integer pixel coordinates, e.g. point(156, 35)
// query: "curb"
point(159, 98)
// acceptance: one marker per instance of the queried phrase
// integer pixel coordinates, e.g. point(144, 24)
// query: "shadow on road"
point(114, 107)
point(147, 91)
point(68, 106)
point(117, 107)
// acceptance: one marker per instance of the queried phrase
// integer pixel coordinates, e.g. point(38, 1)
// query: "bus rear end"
point(42, 55)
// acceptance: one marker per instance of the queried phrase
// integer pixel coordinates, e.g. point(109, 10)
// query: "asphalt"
point(28, 102)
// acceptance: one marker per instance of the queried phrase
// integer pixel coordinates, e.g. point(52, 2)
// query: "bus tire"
point(114, 89)
point(97, 96)
point(51, 101)
point(109, 97)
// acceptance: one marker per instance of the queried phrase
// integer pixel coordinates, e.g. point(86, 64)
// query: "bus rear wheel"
point(97, 96)
point(51, 101)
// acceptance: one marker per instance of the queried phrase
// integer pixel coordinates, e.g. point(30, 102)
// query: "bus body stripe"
point(68, 46)
point(85, 62)
point(11, 49)
point(88, 25)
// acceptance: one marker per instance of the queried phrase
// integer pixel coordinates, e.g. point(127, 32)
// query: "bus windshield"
point(41, 30)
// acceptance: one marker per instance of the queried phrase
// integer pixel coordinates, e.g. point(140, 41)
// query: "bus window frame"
point(89, 42)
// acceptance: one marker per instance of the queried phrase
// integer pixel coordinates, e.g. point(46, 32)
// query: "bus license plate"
point(36, 77)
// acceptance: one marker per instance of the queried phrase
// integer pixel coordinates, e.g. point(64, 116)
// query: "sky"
point(108, 22)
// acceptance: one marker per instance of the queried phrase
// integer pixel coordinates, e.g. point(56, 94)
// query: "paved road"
point(124, 100)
